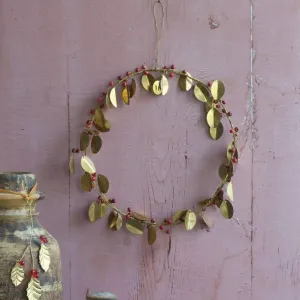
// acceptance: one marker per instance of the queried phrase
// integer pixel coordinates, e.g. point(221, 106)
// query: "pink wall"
point(55, 59)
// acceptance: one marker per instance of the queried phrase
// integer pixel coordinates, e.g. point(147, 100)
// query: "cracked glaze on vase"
point(15, 235)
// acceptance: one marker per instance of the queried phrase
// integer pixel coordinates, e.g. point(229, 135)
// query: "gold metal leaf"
point(112, 220)
point(44, 257)
point(151, 235)
point(134, 226)
point(17, 274)
point(156, 88)
point(72, 164)
point(132, 89)
point(113, 97)
point(88, 165)
point(84, 141)
point(101, 210)
point(179, 216)
point(34, 291)
point(201, 92)
point(164, 84)
point(125, 95)
point(213, 118)
point(96, 144)
point(226, 172)
point(226, 209)
point(147, 81)
point(140, 217)
point(103, 183)
point(217, 132)
point(99, 117)
point(86, 182)
point(119, 222)
point(105, 128)
point(208, 105)
point(232, 151)
point(217, 89)
point(185, 83)
point(229, 191)
point(190, 220)
point(92, 212)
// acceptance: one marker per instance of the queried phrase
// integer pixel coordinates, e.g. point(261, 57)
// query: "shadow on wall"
point(101, 296)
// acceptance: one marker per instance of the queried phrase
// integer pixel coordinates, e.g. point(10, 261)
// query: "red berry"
point(120, 77)
point(137, 69)
point(234, 160)
point(223, 110)
point(128, 73)
point(218, 106)
point(231, 131)
point(112, 201)
point(146, 73)
point(92, 111)
point(111, 83)
point(167, 231)
point(236, 129)
point(161, 227)
point(223, 101)
point(172, 67)
point(43, 239)
point(129, 209)
point(172, 75)
point(229, 113)
point(209, 84)
point(88, 123)
point(34, 273)
point(152, 220)
point(125, 84)
point(128, 217)
point(77, 150)
point(165, 67)
point(144, 67)
point(21, 263)
point(100, 99)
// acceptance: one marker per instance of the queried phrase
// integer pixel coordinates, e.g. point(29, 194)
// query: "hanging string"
point(159, 29)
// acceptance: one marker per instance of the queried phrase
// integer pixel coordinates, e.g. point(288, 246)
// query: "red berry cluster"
point(43, 239)
point(112, 201)
point(21, 263)
point(101, 200)
point(129, 214)
point(34, 273)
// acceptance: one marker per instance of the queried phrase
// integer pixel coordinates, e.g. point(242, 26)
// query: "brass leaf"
point(84, 141)
point(105, 128)
point(217, 89)
point(226, 209)
point(112, 220)
point(151, 235)
point(113, 97)
point(34, 291)
point(99, 117)
point(208, 105)
point(101, 211)
point(44, 257)
point(185, 83)
point(134, 226)
point(140, 217)
point(226, 172)
point(164, 84)
point(92, 212)
point(216, 132)
point(147, 81)
point(103, 183)
point(17, 274)
point(232, 151)
point(156, 88)
point(190, 220)
point(119, 222)
point(88, 165)
point(96, 144)
point(213, 118)
point(229, 191)
point(72, 164)
point(201, 92)
point(132, 89)
point(125, 95)
point(86, 182)
point(179, 216)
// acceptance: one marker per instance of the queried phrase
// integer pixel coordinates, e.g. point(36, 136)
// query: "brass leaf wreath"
point(155, 80)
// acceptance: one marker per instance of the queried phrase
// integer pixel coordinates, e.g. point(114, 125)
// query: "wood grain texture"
point(276, 158)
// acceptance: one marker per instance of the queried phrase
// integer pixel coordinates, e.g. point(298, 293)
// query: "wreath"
point(155, 80)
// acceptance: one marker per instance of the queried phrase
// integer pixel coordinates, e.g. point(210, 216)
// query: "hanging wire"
point(159, 29)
